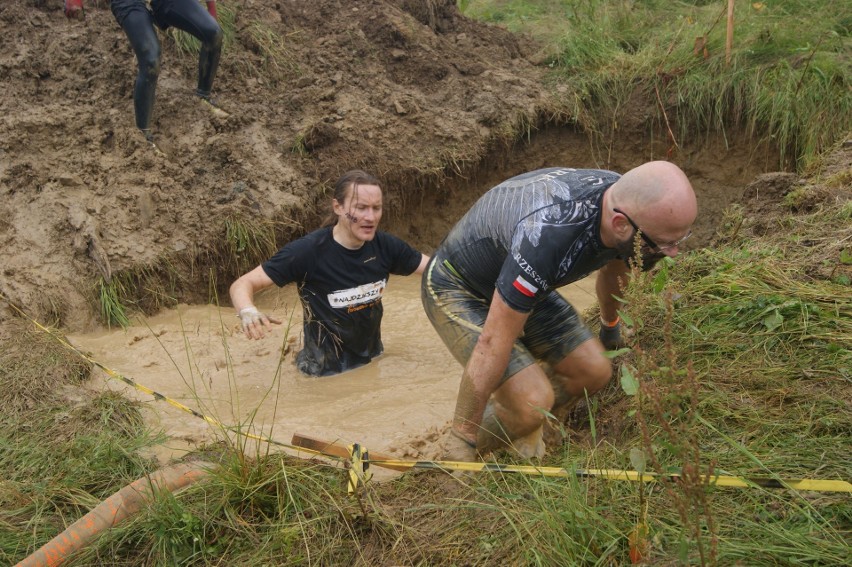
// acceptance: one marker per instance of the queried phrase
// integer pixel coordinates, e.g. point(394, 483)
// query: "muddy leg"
point(516, 411)
point(492, 434)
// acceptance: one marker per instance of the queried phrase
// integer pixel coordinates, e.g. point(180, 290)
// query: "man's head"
point(357, 206)
point(654, 199)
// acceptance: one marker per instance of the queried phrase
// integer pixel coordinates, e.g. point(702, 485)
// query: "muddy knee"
point(215, 39)
point(598, 373)
point(149, 64)
point(582, 374)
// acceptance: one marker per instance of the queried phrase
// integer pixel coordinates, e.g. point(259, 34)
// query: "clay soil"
point(438, 106)
point(403, 89)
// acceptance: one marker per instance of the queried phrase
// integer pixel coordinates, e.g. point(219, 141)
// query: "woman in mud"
point(342, 271)
point(137, 18)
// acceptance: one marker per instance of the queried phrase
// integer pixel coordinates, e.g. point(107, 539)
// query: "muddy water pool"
point(196, 355)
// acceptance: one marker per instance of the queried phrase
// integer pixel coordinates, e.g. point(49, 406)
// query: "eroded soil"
point(439, 106)
point(397, 88)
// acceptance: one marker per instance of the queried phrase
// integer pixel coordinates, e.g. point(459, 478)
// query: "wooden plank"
point(337, 450)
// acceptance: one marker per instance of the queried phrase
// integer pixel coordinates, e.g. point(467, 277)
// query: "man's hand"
point(254, 323)
point(610, 335)
point(74, 9)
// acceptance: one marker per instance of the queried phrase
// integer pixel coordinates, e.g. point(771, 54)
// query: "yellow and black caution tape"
point(624, 475)
point(158, 396)
point(359, 467)
point(359, 460)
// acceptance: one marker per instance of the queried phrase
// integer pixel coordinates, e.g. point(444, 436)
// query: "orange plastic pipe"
point(117, 508)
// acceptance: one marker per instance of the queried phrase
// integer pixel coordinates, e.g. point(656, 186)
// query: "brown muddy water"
point(196, 355)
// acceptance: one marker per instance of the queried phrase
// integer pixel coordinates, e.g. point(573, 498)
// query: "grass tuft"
point(248, 242)
point(787, 82)
point(226, 14)
point(111, 294)
point(277, 61)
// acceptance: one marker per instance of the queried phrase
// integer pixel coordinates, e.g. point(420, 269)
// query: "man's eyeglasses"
point(651, 244)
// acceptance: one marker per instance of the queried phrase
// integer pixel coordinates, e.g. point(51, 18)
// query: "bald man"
point(490, 291)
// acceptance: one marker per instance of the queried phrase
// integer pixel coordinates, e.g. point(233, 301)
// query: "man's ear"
point(619, 226)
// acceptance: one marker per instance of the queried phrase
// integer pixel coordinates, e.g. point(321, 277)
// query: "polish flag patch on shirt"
point(525, 287)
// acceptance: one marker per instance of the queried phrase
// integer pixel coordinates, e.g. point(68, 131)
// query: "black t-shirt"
point(531, 234)
point(341, 293)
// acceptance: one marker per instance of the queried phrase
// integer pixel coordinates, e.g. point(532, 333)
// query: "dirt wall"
point(438, 106)
point(313, 89)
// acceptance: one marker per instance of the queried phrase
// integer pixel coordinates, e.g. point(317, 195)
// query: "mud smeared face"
point(360, 213)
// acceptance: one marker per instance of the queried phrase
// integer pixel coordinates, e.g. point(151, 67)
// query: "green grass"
point(146, 289)
point(111, 296)
point(742, 361)
point(248, 243)
point(743, 367)
point(246, 514)
point(264, 53)
point(226, 16)
point(787, 82)
point(748, 372)
point(276, 58)
point(62, 449)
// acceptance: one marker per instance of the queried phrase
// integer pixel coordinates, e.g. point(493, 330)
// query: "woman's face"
point(360, 212)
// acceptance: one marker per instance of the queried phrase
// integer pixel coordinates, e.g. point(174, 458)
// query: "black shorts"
point(552, 331)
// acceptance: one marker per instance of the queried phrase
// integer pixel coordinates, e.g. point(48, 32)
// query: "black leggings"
point(138, 23)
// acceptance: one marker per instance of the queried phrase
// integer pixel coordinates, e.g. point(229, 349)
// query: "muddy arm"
point(243, 289)
point(486, 366)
